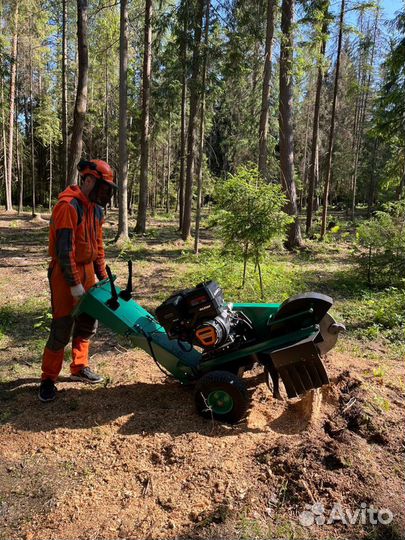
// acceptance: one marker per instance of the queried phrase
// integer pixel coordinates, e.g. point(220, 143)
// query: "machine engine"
point(199, 316)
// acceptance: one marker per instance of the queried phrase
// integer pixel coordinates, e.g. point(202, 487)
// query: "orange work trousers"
point(64, 325)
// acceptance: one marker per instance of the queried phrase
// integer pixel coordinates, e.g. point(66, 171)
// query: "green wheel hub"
point(220, 401)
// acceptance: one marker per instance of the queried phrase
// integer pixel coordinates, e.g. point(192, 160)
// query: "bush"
point(384, 238)
point(250, 214)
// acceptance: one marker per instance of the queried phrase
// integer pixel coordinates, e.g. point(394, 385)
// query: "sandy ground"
point(131, 458)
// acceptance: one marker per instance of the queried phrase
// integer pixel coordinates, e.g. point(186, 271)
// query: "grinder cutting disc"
point(330, 331)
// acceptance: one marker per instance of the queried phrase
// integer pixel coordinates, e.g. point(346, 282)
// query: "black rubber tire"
point(228, 382)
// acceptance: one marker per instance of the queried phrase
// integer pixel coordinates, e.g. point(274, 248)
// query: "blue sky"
point(390, 7)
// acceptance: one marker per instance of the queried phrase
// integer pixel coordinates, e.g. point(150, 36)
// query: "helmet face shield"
point(101, 193)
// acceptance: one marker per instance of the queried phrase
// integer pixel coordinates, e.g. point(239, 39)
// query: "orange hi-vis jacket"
point(75, 246)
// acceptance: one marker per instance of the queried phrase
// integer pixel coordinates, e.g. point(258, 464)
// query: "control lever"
point(127, 293)
point(112, 303)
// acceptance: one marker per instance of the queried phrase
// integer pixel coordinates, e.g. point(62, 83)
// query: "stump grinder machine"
point(200, 339)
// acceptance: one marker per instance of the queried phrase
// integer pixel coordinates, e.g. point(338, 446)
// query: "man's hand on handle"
point(77, 292)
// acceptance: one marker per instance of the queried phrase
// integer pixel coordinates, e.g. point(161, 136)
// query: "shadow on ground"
point(147, 407)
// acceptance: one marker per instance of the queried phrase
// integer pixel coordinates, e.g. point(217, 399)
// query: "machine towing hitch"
point(200, 339)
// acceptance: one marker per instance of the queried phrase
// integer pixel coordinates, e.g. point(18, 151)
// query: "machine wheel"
point(221, 395)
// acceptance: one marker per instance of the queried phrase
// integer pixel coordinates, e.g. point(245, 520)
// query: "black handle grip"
point(127, 293)
point(112, 303)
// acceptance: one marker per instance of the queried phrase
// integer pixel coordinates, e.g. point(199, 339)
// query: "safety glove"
point(77, 291)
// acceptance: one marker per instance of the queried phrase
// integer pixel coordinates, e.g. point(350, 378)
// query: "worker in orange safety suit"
point(77, 257)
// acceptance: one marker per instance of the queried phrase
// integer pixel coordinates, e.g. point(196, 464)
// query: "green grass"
point(33, 316)
point(281, 527)
point(377, 314)
point(23, 326)
point(382, 404)
point(392, 531)
point(133, 249)
point(280, 278)
point(5, 416)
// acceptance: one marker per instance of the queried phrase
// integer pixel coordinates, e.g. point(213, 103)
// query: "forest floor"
point(132, 459)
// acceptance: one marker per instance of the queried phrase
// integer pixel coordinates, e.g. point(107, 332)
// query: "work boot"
point(47, 391)
point(87, 375)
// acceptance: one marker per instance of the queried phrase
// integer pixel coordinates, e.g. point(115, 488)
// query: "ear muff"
point(84, 164)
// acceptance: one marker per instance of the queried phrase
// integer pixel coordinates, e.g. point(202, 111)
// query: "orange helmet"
point(98, 168)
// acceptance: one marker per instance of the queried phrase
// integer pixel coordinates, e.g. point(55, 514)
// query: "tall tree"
point(192, 122)
point(9, 202)
point(3, 136)
point(286, 126)
point(368, 68)
point(20, 169)
point(79, 116)
point(64, 96)
point(145, 131)
point(264, 113)
point(323, 9)
point(332, 124)
point(123, 145)
point(33, 171)
point(183, 111)
point(200, 157)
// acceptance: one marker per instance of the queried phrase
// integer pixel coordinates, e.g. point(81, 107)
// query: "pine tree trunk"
point(264, 113)
point(3, 133)
point(50, 175)
point(79, 116)
point(145, 135)
point(371, 191)
point(123, 109)
point(64, 97)
point(33, 172)
point(90, 138)
point(194, 103)
point(155, 182)
point(183, 112)
point(305, 156)
point(202, 130)
point(20, 158)
point(318, 180)
point(332, 125)
point(400, 188)
point(163, 179)
point(9, 202)
point(368, 71)
point(315, 125)
point(286, 122)
point(169, 165)
point(106, 116)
